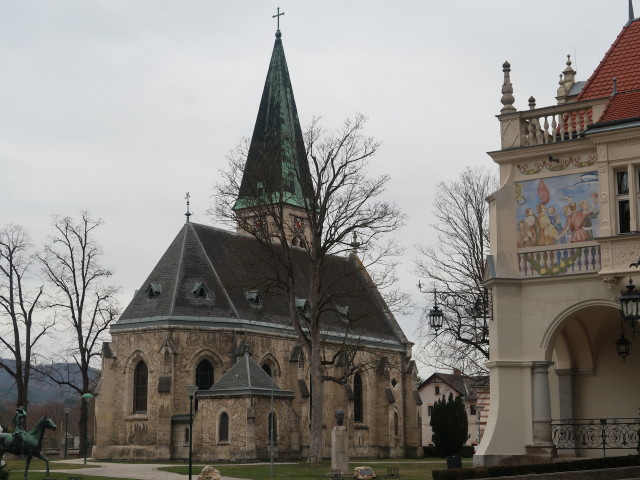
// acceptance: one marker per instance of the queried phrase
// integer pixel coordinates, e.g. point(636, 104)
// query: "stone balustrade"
point(560, 261)
point(559, 123)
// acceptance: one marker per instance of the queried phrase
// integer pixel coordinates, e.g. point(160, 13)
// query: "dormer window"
point(302, 306)
point(343, 310)
point(253, 297)
point(153, 290)
point(200, 290)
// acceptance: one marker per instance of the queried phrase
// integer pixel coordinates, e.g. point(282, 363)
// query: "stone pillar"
point(542, 444)
point(339, 449)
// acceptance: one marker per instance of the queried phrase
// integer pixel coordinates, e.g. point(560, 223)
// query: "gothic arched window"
point(140, 381)
point(272, 428)
point(223, 428)
point(204, 375)
point(358, 415)
point(267, 368)
point(396, 424)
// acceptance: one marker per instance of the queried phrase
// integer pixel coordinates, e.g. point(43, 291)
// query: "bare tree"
point(82, 301)
point(336, 201)
point(19, 302)
point(454, 267)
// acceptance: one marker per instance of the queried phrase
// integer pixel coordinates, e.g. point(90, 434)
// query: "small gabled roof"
point(622, 62)
point(454, 381)
point(246, 377)
point(462, 384)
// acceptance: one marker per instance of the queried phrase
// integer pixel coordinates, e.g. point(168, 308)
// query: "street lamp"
point(477, 307)
point(479, 409)
point(623, 347)
point(191, 389)
point(85, 399)
point(67, 409)
point(630, 304)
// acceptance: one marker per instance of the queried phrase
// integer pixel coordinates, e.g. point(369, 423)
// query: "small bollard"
point(454, 461)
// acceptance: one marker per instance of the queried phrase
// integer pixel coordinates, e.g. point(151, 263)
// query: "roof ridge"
point(600, 65)
point(215, 272)
point(377, 297)
point(618, 53)
point(175, 287)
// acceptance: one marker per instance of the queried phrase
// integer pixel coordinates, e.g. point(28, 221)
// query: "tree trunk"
point(84, 417)
point(317, 397)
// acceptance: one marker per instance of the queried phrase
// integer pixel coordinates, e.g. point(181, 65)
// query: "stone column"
point(339, 449)
point(542, 444)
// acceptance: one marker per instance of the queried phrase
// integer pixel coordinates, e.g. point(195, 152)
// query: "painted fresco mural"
point(560, 210)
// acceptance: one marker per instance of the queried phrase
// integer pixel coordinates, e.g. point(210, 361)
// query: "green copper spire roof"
point(277, 161)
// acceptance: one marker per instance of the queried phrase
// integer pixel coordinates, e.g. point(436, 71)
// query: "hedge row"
point(568, 466)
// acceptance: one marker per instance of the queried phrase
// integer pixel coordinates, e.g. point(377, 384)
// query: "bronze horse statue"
point(31, 443)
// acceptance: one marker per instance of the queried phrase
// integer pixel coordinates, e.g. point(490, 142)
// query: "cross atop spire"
point(188, 214)
point(277, 16)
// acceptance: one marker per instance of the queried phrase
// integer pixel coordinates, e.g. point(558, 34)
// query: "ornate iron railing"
point(596, 433)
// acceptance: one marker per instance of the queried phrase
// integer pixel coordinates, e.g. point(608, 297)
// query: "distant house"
point(474, 390)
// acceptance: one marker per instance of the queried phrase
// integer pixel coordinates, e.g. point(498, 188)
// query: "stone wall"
point(172, 354)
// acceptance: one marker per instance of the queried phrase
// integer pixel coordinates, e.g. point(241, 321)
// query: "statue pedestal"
point(339, 449)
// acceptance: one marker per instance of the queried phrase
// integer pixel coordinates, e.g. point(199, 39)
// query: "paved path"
point(140, 471)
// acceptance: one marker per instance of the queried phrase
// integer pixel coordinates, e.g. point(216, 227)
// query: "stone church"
point(203, 317)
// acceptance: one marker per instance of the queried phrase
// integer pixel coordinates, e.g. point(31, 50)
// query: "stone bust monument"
point(339, 417)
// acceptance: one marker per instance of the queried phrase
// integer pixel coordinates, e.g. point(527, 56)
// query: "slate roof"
point(245, 377)
point(622, 61)
point(229, 264)
point(276, 159)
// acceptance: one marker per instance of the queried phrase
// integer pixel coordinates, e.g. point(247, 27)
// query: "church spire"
point(276, 166)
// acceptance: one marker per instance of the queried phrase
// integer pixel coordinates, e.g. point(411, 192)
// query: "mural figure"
point(556, 225)
point(538, 203)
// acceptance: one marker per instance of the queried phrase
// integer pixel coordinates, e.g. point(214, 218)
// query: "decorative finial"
point(507, 90)
point(277, 17)
point(561, 93)
point(569, 76)
point(532, 102)
point(355, 244)
point(188, 214)
point(631, 15)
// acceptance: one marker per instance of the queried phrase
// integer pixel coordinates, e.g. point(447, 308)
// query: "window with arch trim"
point(223, 427)
point(358, 410)
point(140, 387)
point(204, 377)
point(396, 423)
point(267, 368)
point(273, 434)
point(437, 390)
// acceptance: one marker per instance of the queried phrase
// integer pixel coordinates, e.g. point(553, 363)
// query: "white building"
point(475, 392)
point(565, 226)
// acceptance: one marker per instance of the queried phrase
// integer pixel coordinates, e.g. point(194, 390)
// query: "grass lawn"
point(17, 470)
point(409, 469)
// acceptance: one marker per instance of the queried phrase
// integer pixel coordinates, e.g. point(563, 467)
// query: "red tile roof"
point(622, 61)
point(621, 106)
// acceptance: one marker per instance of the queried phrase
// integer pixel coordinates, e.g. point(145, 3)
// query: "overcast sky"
point(120, 107)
